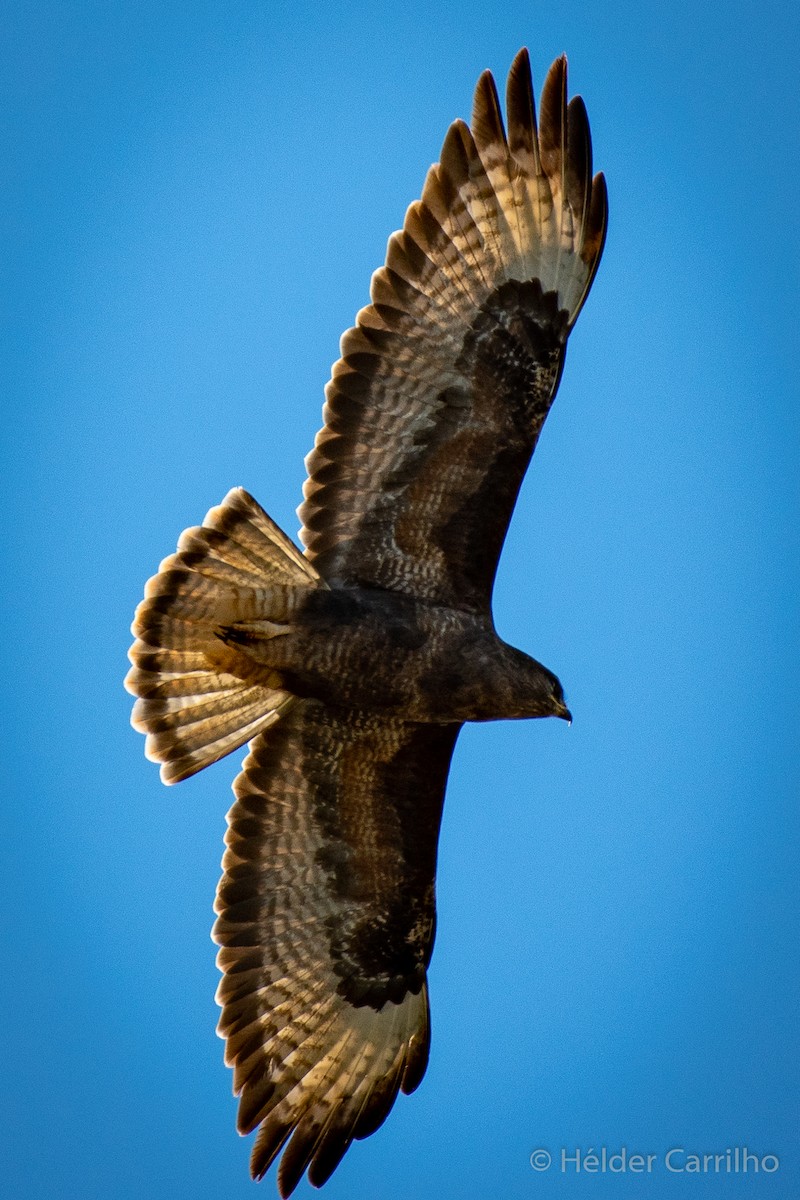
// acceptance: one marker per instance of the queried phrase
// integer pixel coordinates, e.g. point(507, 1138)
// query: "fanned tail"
point(199, 697)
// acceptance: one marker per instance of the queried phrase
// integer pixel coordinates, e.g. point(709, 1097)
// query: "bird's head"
point(536, 691)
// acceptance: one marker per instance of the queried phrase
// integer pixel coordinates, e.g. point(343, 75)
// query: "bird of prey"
point(351, 666)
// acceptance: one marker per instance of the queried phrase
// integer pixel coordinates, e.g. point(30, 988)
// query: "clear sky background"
point(196, 197)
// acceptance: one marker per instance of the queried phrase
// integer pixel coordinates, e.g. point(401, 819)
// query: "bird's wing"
point(434, 408)
point(326, 923)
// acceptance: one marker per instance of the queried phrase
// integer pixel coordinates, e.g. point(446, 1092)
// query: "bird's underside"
point(351, 667)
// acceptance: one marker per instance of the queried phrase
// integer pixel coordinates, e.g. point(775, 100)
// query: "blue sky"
point(196, 197)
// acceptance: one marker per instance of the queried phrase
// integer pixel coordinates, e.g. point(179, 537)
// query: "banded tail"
point(200, 698)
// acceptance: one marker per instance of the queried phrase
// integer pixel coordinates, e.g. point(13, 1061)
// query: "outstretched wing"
point(326, 923)
point(434, 408)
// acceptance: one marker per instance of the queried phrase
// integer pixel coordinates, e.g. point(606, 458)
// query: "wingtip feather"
point(487, 121)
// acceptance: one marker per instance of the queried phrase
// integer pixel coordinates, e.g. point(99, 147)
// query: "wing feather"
point(326, 920)
point(435, 406)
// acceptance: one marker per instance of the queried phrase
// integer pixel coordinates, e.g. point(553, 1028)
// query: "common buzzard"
point(351, 667)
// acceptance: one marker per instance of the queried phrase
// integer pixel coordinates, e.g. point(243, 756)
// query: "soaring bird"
point(350, 667)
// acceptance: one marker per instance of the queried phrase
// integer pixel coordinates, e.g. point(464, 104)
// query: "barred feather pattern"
point(198, 698)
point(326, 920)
point(492, 266)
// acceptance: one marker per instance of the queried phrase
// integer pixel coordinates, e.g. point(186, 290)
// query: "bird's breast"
point(387, 653)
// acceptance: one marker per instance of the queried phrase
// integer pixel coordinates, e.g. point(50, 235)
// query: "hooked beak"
point(563, 712)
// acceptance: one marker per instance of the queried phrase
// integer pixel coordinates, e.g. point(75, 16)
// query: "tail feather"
point(163, 685)
point(200, 697)
point(239, 534)
point(187, 749)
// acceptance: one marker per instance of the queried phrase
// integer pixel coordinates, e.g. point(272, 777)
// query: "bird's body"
point(427, 663)
point(351, 668)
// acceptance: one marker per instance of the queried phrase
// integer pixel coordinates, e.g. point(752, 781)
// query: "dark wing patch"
point(326, 923)
point(435, 406)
